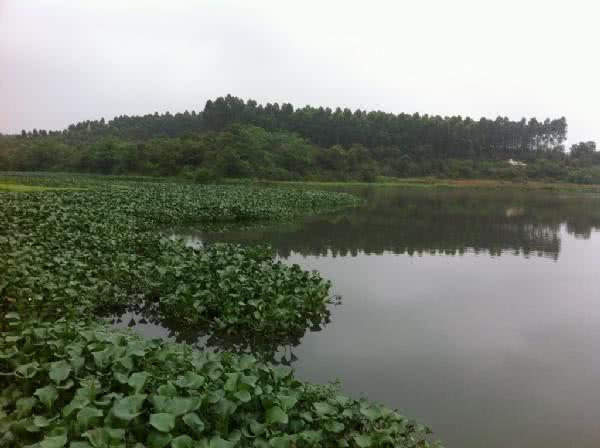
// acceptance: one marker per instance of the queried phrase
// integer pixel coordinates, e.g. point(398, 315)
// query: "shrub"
point(205, 176)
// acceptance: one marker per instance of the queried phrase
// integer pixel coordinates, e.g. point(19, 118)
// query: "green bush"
point(205, 176)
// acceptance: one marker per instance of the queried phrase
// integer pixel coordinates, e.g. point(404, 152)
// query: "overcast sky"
point(67, 61)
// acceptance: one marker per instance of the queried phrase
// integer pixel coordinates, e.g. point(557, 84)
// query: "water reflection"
point(477, 313)
point(149, 322)
point(430, 222)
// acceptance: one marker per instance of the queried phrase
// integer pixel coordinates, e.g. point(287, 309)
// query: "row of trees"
point(444, 137)
point(236, 138)
point(238, 151)
point(241, 151)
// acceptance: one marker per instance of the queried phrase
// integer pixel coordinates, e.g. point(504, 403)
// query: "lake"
point(475, 312)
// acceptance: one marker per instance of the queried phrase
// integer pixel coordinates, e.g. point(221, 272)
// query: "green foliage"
point(66, 380)
point(236, 139)
point(242, 288)
point(74, 252)
point(205, 176)
point(156, 393)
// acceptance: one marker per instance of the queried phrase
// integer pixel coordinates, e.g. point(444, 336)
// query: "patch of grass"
point(430, 182)
point(28, 188)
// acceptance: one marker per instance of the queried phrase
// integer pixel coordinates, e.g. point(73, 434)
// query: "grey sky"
point(67, 61)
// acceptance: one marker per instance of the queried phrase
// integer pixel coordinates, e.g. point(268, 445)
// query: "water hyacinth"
point(78, 251)
point(81, 385)
point(68, 381)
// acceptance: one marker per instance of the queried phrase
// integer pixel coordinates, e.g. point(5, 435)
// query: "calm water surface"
point(477, 313)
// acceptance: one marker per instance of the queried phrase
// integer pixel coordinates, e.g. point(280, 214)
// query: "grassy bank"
point(39, 181)
point(429, 182)
point(19, 187)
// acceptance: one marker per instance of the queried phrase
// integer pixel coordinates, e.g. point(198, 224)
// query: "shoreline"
point(22, 181)
point(425, 182)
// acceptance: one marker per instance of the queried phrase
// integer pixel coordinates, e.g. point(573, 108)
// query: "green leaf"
point(276, 415)
point(183, 405)
point(232, 381)
point(194, 422)
point(99, 438)
point(312, 437)
point(372, 413)
point(249, 380)
point(158, 439)
point(363, 441)
point(88, 415)
point(27, 424)
point(191, 380)
point(12, 339)
point(160, 402)
point(280, 372)
point(247, 361)
point(342, 399)
point(217, 442)
point(167, 390)
point(176, 406)
point(226, 407)
point(116, 435)
point(10, 353)
point(243, 396)
point(129, 407)
point(27, 370)
point(333, 426)
point(66, 385)
point(184, 441)
point(79, 444)
point(214, 396)
point(282, 441)
point(136, 348)
point(78, 402)
point(120, 377)
point(54, 442)
point(259, 442)
point(77, 363)
point(47, 395)
point(138, 380)
point(163, 422)
point(59, 371)
point(287, 402)
point(41, 422)
point(323, 408)
point(101, 357)
point(257, 428)
point(25, 405)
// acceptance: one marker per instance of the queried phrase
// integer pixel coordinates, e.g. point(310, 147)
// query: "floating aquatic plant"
point(67, 381)
point(81, 385)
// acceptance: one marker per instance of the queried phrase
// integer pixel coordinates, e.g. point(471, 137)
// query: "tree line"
point(231, 137)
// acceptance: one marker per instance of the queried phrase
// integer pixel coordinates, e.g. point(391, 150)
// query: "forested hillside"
point(236, 138)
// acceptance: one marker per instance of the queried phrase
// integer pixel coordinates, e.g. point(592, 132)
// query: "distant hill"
point(231, 137)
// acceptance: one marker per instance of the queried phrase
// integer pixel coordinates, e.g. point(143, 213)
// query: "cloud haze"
point(67, 61)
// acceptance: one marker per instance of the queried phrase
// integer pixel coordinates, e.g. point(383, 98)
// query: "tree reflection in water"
point(392, 220)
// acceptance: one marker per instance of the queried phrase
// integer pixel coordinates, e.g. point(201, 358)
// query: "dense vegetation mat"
point(67, 381)
point(79, 385)
point(75, 252)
